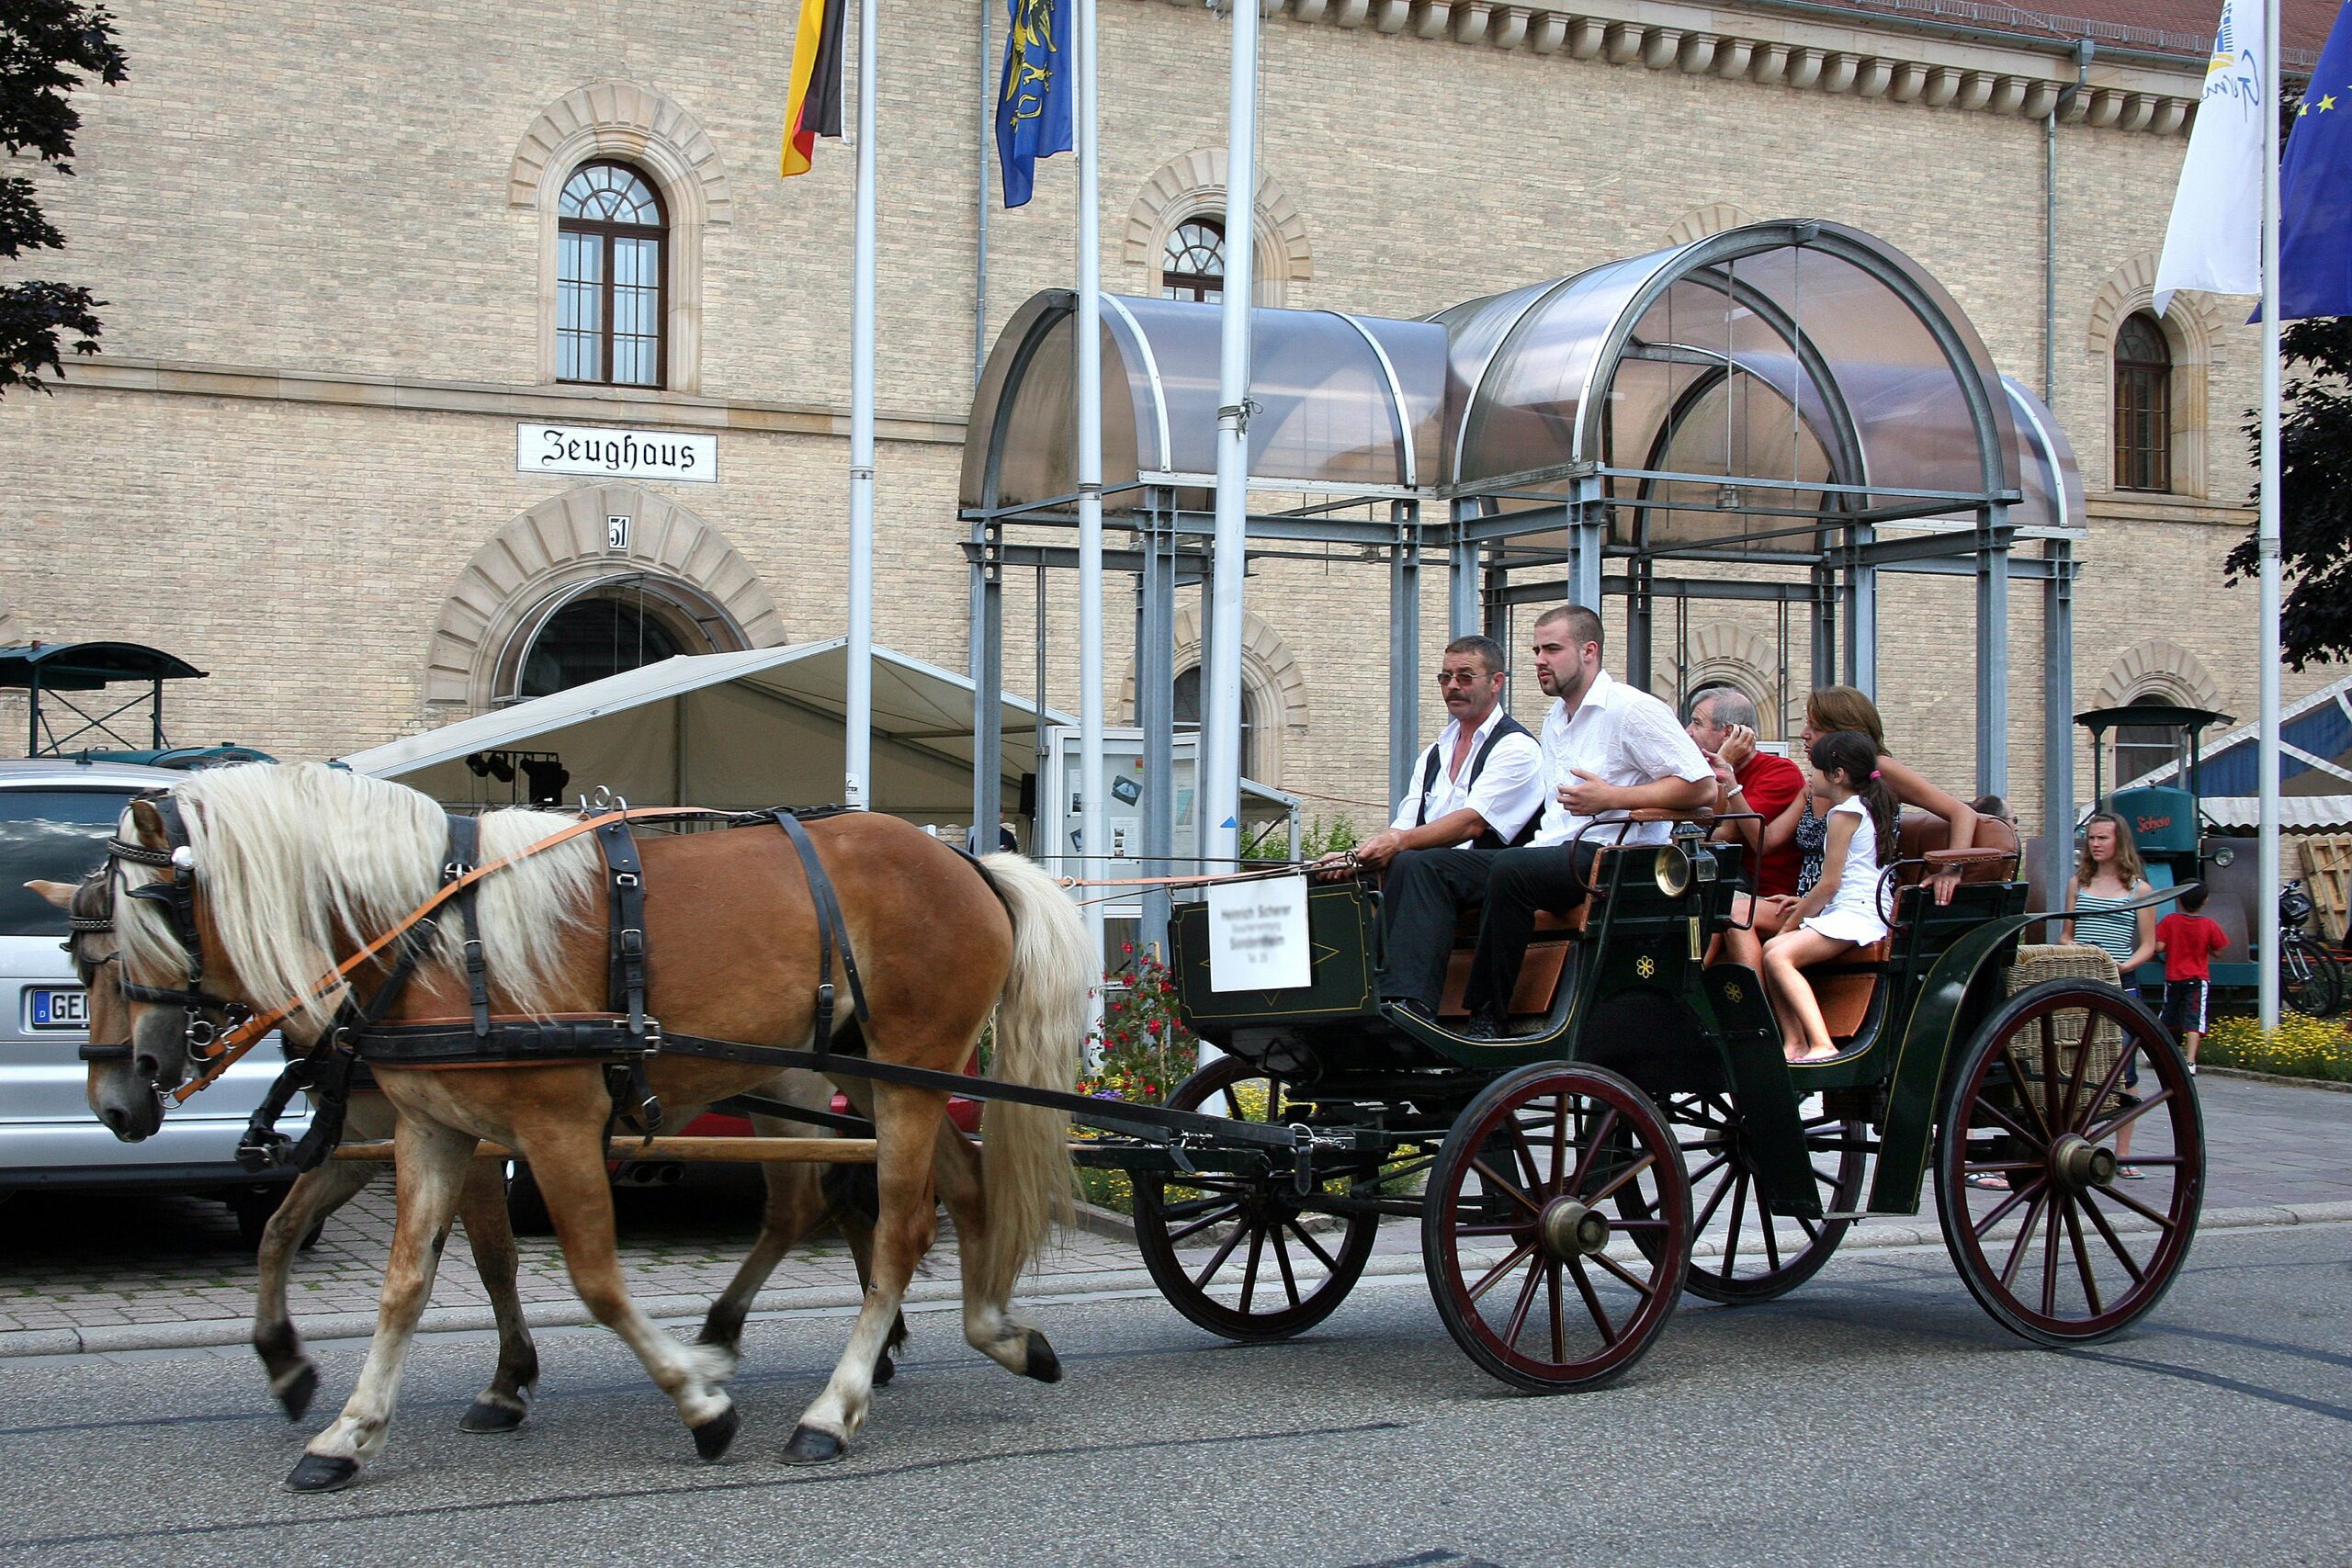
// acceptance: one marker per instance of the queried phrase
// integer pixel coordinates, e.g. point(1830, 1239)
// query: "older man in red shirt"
point(1722, 723)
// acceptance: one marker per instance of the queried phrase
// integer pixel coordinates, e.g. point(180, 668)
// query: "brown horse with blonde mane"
point(295, 869)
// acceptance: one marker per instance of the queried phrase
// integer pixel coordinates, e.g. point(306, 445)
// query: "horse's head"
point(173, 994)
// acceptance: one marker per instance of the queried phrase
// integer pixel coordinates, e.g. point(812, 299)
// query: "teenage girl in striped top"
point(2108, 874)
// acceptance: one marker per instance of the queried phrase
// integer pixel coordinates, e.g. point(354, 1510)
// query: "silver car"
point(55, 817)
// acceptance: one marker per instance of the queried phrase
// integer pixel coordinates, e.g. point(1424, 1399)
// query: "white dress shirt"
point(1508, 792)
point(1620, 736)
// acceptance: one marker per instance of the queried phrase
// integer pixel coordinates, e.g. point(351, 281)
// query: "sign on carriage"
point(615, 454)
point(1257, 935)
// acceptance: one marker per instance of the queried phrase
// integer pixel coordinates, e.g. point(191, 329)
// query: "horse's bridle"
point(207, 1016)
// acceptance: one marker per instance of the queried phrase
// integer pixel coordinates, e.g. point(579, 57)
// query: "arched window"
point(1188, 717)
point(591, 638)
point(2144, 748)
point(2142, 405)
point(611, 281)
point(1192, 264)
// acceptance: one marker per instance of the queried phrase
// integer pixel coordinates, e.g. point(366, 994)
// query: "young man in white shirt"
point(1475, 790)
point(1608, 749)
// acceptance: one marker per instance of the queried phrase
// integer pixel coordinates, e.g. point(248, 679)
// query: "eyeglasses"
point(1461, 677)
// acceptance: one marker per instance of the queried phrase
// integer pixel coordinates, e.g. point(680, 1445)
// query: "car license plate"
point(59, 1007)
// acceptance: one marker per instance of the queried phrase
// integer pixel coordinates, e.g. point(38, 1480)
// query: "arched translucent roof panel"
point(2052, 483)
point(1785, 352)
point(1343, 402)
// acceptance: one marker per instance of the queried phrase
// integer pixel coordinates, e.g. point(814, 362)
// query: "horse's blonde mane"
point(297, 859)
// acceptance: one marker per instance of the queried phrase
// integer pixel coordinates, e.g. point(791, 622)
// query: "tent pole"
point(858, 737)
point(1090, 493)
point(2268, 536)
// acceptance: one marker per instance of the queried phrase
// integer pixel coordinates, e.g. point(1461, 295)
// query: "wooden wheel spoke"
point(2114, 1243)
point(1250, 1269)
point(2106, 1130)
point(1646, 1288)
point(1487, 1283)
point(2065, 1117)
point(1282, 1261)
point(2017, 1195)
point(1623, 1176)
point(1525, 1157)
point(1698, 1226)
point(1521, 1228)
point(2050, 1256)
point(1738, 1213)
point(1651, 1223)
point(2162, 1221)
point(1200, 1281)
point(1232, 1103)
point(1772, 1239)
point(2017, 1077)
point(2123, 1059)
point(1592, 1301)
point(1708, 1170)
point(1187, 1233)
point(1529, 1204)
point(2082, 1262)
point(1559, 1311)
point(2036, 1139)
point(1312, 1246)
point(1559, 1133)
point(1593, 1144)
point(1811, 1231)
point(1535, 1272)
point(2025, 1237)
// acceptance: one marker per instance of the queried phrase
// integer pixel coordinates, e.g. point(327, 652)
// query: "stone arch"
point(1726, 655)
point(1270, 671)
point(1711, 218)
point(649, 130)
point(2193, 326)
point(2161, 668)
point(1195, 182)
point(559, 545)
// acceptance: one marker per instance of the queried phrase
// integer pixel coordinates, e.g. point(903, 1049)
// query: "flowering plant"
point(1143, 1050)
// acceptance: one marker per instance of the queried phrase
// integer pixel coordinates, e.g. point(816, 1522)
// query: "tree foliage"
point(2314, 493)
point(47, 49)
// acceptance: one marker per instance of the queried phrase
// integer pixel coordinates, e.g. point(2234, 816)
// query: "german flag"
point(815, 106)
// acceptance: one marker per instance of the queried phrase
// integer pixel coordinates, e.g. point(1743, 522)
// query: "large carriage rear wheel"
point(2059, 1234)
point(1739, 1252)
point(1238, 1254)
point(1533, 1277)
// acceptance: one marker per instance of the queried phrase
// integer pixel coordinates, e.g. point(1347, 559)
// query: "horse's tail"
point(1040, 1036)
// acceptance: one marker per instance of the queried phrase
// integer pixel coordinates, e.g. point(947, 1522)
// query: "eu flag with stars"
point(1032, 104)
point(2315, 189)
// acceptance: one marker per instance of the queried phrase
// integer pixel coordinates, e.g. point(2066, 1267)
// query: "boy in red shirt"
point(2187, 940)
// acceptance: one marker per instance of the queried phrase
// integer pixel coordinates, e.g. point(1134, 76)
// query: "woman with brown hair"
point(1829, 710)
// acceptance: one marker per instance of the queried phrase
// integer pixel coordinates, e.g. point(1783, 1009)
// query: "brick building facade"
point(330, 243)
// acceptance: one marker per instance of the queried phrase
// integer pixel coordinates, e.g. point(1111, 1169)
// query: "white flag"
point(2215, 239)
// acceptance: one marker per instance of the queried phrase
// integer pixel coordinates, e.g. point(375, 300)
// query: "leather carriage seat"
point(1539, 975)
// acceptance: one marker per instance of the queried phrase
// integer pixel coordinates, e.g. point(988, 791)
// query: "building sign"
point(615, 454)
point(1257, 935)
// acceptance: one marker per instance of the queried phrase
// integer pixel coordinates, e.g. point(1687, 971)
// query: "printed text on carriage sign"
point(1257, 935)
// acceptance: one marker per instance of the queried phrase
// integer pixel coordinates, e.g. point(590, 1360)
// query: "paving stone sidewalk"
point(132, 1272)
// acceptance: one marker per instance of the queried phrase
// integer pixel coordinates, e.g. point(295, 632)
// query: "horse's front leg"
point(432, 1161)
point(490, 1231)
point(905, 1124)
point(293, 1376)
point(566, 1156)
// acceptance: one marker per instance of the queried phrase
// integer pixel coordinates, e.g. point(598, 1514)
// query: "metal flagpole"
point(858, 720)
point(1090, 489)
point(1218, 795)
point(2267, 546)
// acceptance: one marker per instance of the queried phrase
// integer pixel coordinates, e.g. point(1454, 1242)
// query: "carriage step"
point(1847, 1215)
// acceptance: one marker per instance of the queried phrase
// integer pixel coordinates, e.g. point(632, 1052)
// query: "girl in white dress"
point(1841, 912)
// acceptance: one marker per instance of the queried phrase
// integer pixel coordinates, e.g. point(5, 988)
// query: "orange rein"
point(247, 1035)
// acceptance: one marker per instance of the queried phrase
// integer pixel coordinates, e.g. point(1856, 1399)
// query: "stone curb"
point(688, 1310)
point(2282, 1080)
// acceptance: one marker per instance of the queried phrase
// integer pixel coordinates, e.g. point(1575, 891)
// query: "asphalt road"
point(1876, 1416)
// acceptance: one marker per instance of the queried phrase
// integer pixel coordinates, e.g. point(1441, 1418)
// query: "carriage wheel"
point(1238, 1254)
point(2057, 1239)
point(1528, 1270)
point(1740, 1253)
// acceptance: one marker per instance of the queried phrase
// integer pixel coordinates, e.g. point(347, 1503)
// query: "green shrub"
point(2299, 1047)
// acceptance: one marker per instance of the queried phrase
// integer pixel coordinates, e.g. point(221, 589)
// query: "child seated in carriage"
point(1841, 912)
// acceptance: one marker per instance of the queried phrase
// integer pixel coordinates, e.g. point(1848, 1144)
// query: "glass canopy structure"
point(1776, 413)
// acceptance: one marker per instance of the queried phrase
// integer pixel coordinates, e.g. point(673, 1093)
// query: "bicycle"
point(2311, 977)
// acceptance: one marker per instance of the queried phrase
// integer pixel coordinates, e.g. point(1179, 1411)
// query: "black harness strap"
point(465, 853)
point(626, 982)
point(830, 933)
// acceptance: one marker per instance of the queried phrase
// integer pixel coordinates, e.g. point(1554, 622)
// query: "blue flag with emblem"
point(2315, 189)
point(1034, 97)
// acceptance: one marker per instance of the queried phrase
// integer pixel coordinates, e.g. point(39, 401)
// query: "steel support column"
point(1403, 645)
point(1993, 653)
point(1641, 617)
point(1155, 716)
point(2058, 715)
point(1862, 618)
point(1587, 536)
point(988, 689)
point(1825, 627)
point(1462, 608)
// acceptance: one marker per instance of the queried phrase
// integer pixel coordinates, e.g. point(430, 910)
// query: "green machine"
point(2168, 825)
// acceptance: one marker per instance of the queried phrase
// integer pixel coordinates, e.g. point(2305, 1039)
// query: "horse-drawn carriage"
point(1641, 1132)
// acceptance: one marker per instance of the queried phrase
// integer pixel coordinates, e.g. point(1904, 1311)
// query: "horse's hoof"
point(323, 1473)
point(885, 1369)
point(713, 1436)
point(810, 1445)
point(488, 1415)
point(299, 1390)
point(1042, 1363)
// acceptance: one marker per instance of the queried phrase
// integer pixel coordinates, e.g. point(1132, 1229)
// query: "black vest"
point(1489, 840)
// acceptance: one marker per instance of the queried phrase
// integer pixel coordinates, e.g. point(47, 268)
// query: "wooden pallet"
point(2327, 873)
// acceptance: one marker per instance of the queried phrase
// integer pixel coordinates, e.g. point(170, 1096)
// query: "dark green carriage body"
point(1639, 998)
